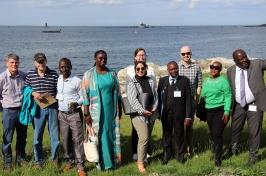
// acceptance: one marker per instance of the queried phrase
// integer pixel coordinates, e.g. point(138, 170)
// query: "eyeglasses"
point(102, 58)
point(187, 53)
point(216, 67)
point(140, 68)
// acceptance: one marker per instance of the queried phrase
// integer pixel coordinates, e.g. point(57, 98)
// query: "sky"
point(132, 12)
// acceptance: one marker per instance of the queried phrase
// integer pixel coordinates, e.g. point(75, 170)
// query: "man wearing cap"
point(192, 71)
point(44, 80)
point(11, 84)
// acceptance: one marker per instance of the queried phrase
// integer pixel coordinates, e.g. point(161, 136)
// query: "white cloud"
point(194, 3)
point(56, 3)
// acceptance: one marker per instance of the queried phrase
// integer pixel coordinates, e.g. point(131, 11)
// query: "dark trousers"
point(173, 129)
point(71, 129)
point(189, 129)
point(254, 121)
point(10, 121)
point(216, 128)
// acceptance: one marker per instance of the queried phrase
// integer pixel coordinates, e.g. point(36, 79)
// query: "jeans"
point(50, 114)
point(11, 122)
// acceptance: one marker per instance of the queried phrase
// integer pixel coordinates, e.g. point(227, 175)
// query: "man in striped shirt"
point(44, 80)
point(193, 72)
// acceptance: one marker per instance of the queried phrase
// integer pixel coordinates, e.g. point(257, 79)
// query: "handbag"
point(201, 111)
point(91, 148)
point(143, 100)
point(128, 110)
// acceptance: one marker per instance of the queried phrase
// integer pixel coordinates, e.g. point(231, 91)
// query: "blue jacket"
point(28, 107)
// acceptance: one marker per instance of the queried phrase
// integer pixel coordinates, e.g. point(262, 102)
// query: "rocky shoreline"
point(161, 71)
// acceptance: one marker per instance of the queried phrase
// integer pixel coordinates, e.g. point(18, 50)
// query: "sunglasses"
point(102, 58)
point(140, 68)
point(187, 53)
point(216, 67)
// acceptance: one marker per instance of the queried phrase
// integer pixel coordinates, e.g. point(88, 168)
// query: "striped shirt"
point(44, 84)
point(193, 73)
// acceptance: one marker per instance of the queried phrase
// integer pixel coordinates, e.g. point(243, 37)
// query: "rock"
point(161, 71)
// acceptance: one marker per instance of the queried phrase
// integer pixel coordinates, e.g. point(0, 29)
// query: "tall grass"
point(199, 164)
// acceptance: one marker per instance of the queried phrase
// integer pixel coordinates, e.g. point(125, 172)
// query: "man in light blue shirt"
point(70, 116)
point(11, 84)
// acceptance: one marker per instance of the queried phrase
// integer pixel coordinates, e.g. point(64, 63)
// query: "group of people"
point(173, 101)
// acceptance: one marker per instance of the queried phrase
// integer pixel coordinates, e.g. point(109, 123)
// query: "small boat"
point(143, 25)
point(50, 30)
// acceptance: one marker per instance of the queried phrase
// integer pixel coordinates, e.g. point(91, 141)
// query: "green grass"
point(200, 164)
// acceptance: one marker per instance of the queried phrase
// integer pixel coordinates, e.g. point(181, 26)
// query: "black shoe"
point(217, 162)
point(165, 159)
point(20, 161)
point(180, 158)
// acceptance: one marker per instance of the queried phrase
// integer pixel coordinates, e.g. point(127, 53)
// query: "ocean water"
point(161, 43)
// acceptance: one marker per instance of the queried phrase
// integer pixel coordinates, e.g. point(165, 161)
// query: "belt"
point(71, 112)
point(15, 108)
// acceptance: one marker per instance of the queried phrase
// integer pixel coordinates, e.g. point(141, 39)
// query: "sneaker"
point(135, 157)
point(98, 166)
point(38, 166)
point(81, 173)
point(148, 156)
point(7, 166)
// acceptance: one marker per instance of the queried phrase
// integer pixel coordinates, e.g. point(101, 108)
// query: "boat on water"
point(143, 25)
point(50, 30)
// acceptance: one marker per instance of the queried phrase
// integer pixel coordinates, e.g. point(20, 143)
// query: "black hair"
point(140, 62)
point(66, 60)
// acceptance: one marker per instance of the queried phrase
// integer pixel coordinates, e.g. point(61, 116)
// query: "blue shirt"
point(11, 89)
point(68, 90)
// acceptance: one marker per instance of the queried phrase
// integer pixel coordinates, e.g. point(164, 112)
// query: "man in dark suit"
point(175, 108)
point(247, 82)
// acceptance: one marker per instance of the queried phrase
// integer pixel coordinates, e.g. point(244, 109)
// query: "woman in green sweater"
point(217, 93)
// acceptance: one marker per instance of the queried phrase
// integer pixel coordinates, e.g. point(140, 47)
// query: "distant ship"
point(51, 31)
point(143, 25)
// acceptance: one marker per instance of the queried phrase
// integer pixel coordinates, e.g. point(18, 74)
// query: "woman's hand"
point(226, 118)
point(147, 113)
point(187, 121)
point(88, 119)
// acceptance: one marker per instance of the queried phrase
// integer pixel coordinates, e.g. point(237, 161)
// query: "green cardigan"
point(217, 92)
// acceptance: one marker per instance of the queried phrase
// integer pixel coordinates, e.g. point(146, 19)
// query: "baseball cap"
point(40, 57)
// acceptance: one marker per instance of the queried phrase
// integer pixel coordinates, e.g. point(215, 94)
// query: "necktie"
point(242, 89)
point(172, 81)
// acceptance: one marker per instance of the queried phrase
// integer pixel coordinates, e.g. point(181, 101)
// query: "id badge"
point(252, 108)
point(177, 93)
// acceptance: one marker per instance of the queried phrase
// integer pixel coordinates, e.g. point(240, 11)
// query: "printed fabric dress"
point(101, 92)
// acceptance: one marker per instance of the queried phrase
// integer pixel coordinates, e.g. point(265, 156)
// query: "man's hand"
point(226, 118)
point(187, 121)
point(37, 95)
point(73, 106)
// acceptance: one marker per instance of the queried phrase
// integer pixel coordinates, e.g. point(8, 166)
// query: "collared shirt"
point(170, 79)
point(68, 90)
point(44, 84)
point(11, 89)
point(248, 94)
point(193, 73)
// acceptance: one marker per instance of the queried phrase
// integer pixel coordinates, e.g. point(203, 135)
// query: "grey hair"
point(12, 56)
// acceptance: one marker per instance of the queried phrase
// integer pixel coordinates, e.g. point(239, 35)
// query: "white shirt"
point(170, 79)
point(68, 90)
point(248, 94)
